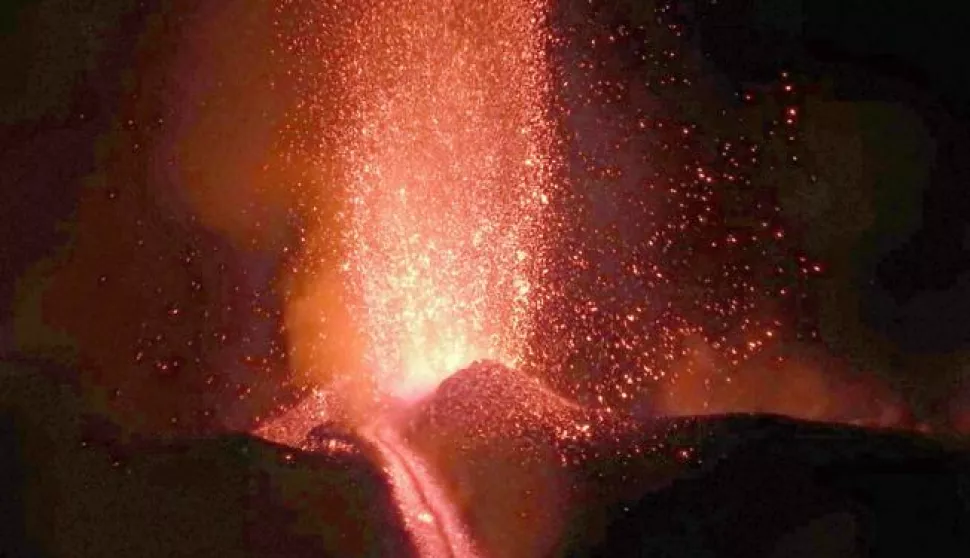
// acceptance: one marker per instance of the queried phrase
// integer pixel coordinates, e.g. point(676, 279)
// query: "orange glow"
point(803, 385)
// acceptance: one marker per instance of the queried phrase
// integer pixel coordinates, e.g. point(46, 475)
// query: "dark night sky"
point(899, 65)
point(905, 54)
point(896, 299)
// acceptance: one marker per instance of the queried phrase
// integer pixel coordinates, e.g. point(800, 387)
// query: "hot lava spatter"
point(434, 133)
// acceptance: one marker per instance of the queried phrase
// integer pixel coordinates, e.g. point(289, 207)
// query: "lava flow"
point(433, 522)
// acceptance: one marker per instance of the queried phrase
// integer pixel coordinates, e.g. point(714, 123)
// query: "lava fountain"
point(436, 135)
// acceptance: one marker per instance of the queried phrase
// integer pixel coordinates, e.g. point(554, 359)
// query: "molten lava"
point(428, 512)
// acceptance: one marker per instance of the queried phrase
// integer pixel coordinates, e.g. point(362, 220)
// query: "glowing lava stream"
point(431, 520)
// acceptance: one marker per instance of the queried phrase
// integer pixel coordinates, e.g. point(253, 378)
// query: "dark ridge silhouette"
point(769, 486)
point(74, 484)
